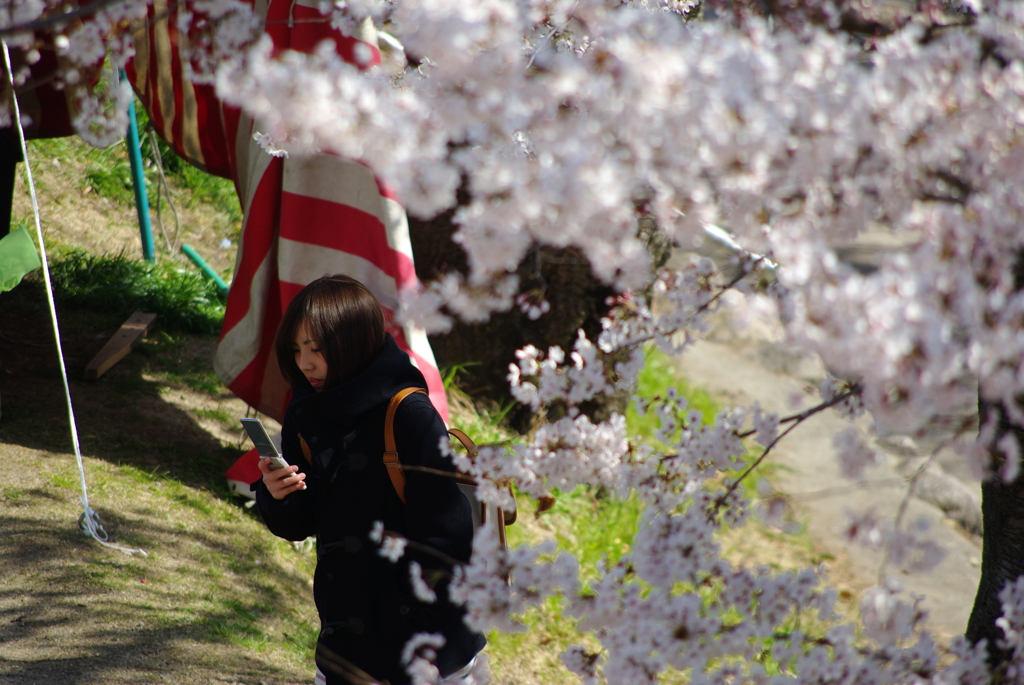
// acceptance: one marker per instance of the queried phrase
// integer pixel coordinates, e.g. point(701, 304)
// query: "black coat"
point(366, 605)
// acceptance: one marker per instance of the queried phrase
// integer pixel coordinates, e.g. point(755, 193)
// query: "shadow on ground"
point(218, 599)
point(124, 417)
point(73, 612)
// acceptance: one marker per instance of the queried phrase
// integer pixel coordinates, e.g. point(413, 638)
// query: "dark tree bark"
point(1002, 558)
point(1002, 509)
point(561, 276)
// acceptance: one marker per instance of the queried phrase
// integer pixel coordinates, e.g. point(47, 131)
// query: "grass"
point(214, 580)
point(177, 365)
point(202, 381)
point(607, 540)
point(108, 173)
point(221, 415)
point(67, 480)
point(203, 188)
point(483, 426)
point(10, 494)
point(593, 525)
point(117, 285)
point(655, 380)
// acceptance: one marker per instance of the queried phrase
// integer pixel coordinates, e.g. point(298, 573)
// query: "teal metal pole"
point(222, 287)
point(139, 182)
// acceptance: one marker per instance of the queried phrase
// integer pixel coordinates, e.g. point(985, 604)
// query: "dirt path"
point(744, 366)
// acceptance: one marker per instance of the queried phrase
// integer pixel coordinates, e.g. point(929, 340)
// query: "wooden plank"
point(118, 347)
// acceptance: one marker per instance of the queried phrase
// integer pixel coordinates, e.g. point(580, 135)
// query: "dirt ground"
point(75, 216)
point(156, 440)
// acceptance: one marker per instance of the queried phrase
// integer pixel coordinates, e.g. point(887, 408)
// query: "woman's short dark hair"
point(345, 321)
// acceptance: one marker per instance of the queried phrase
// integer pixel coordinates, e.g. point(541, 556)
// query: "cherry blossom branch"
point(557, 29)
point(797, 420)
point(733, 283)
point(800, 416)
point(912, 482)
point(703, 307)
point(437, 472)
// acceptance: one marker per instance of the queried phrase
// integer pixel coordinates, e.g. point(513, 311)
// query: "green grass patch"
point(203, 188)
point(302, 640)
point(532, 656)
point(145, 476)
point(657, 377)
point(65, 480)
point(200, 380)
point(200, 504)
point(222, 415)
point(116, 285)
point(109, 174)
point(485, 425)
point(10, 494)
point(238, 623)
point(171, 360)
point(592, 524)
point(213, 569)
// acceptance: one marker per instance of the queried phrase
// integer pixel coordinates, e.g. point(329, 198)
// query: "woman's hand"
point(281, 482)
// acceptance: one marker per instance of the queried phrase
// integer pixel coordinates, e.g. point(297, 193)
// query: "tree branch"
point(797, 420)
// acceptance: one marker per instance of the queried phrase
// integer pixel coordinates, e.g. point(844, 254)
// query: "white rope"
point(172, 245)
point(89, 520)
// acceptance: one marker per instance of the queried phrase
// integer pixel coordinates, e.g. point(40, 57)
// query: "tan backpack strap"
point(391, 461)
point(507, 518)
point(466, 441)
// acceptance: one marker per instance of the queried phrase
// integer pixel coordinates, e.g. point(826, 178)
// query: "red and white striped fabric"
point(304, 218)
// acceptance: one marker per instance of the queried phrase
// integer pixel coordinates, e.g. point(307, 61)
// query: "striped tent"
point(304, 218)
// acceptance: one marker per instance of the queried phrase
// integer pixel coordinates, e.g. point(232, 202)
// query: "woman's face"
point(309, 358)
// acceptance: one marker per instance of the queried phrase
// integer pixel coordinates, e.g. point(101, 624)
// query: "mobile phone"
point(260, 438)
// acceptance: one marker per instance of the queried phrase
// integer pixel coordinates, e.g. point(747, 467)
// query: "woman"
point(344, 368)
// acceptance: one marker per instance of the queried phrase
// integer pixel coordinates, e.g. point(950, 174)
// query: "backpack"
point(482, 513)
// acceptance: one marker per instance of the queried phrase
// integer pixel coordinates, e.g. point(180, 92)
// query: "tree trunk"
point(560, 276)
point(1002, 558)
point(1002, 510)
